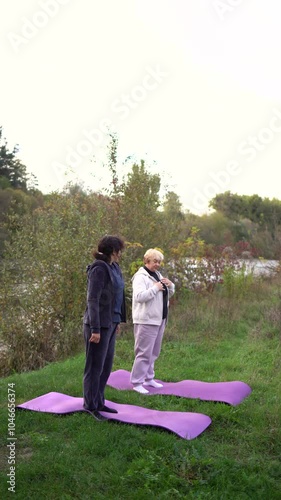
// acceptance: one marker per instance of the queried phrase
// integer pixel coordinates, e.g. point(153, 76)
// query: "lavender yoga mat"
point(185, 425)
point(225, 392)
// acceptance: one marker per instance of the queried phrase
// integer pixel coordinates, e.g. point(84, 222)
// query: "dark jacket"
point(100, 296)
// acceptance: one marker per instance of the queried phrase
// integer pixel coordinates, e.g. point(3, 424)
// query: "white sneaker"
point(152, 383)
point(139, 388)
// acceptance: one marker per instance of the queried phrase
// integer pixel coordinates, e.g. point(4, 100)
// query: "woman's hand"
point(95, 337)
point(166, 281)
point(159, 285)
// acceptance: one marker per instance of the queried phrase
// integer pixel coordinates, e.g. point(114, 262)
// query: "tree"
point(172, 221)
point(217, 229)
point(261, 215)
point(15, 204)
point(12, 171)
point(172, 206)
point(139, 206)
point(263, 211)
point(229, 204)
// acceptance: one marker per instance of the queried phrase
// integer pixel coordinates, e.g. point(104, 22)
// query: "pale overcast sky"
point(192, 86)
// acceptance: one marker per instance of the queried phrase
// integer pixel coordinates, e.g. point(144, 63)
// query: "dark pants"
point(99, 361)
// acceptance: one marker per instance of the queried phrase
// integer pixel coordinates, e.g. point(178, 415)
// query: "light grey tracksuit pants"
point(148, 341)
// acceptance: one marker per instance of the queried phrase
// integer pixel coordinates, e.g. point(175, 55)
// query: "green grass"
point(210, 338)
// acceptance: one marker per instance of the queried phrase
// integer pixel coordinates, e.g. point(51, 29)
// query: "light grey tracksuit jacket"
point(147, 304)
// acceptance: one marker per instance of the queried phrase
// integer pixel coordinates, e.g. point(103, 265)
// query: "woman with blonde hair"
point(151, 293)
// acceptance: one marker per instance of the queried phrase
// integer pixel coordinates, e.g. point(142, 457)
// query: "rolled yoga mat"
point(185, 425)
point(232, 393)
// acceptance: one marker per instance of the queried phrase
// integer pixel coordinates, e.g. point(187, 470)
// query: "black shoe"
point(96, 415)
point(107, 409)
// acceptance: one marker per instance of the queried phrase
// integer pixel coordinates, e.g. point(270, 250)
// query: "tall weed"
point(236, 284)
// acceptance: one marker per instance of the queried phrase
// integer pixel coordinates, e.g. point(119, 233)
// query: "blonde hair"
point(152, 253)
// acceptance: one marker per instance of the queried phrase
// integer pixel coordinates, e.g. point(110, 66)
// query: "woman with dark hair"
point(105, 310)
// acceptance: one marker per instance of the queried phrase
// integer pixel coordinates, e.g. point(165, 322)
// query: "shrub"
point(44, 281)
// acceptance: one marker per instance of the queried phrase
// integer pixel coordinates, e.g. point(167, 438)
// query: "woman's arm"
point(95, 287)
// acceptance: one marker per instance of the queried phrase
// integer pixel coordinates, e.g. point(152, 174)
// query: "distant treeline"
point(133, 208)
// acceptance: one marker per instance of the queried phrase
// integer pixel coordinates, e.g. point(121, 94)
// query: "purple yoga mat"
point(185, 425)
point(225, 392)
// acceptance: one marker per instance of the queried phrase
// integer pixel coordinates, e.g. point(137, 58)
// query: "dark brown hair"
point(107, 245)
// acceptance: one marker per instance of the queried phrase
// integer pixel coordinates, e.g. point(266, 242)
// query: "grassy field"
point(217, 337)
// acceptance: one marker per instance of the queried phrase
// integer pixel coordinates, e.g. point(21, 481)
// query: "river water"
point(260, 267)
